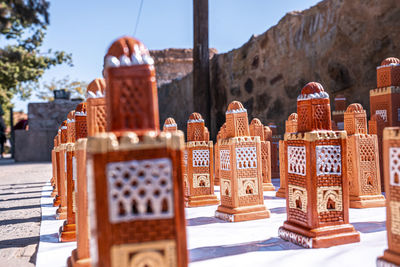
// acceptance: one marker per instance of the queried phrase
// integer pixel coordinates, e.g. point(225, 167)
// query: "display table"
point(213, 242)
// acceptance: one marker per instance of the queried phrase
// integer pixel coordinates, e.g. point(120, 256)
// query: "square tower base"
point(242, 213)
point(389, 259)
point(322, 237)
point(198, 201)
point(361, 202)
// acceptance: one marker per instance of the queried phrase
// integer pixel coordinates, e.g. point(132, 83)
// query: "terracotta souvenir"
point(56, 201)
point(317, 191)
point(257, 129)
point(362, 161)
point(135, 187)
point(67, 232)
point(338, 112)
point(61, 213)
point(134, 105)
point(240, 169)
point(385, 100)
point(199, 175)
point(290, 127)
point(274, 139)
point(170, 125)
point(391, 159)
point(54, 168)
point(94, 116)
point(81, 256)
point(376, 125)
point(96, 107)
point(216, 156)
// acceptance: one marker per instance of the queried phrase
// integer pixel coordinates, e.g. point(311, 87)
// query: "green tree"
point(76, 88)
point(22, 63)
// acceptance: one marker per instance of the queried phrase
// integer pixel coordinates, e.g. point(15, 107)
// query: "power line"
point(138, 17)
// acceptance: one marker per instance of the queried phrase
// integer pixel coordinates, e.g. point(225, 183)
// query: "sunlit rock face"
point(336, 43)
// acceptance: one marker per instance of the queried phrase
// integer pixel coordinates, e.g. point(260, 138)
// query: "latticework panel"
point(225, 162)
point(321, 114)
point(140, 189)
point(241, 126)
point(297, 160)
point(394, 165)
point(201, 158)
point(367, 149)
point(382, 113)
point(329, 160)
point(246, 157)
point(100, 118)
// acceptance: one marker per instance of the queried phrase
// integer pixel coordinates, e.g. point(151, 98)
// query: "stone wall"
point(44, 120)
point(173, 63)
point(336, 43)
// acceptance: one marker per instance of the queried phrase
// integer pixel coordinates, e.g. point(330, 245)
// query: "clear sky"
point(86, 28)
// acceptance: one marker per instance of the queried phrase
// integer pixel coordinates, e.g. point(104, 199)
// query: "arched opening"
point(149, 209)
point(226, 191)
point(164, 206)
point(202, 183)
point(134, 208)
point(396, 178)
point(249, 190)
point(330, 205)
point(121, 209)
point(298, 203)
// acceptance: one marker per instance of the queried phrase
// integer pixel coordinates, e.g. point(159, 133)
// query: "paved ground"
point(20, 215)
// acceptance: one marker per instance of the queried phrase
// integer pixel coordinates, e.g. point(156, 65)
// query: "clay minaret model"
point(134, 172)
point(199, 176)
point(170, 125)
point(362, 161)
point(318, 189)
point(385, 100)
point(290, 127)
point(257, 129)
point(391, 155)
point(240, 169)
point(61, 213)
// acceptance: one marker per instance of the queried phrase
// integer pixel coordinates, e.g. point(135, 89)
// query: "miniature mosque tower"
point(290, 127)
point(362, 160)
point(385, 100)
point(199, 175)
point(170, 125)
point(216, 155)
point(274, 138)
point(240, 169)
point(136, 201)
point(317, 186)
point(67, 231)
point(391, 155)
point(376, 126)
point(257, 129)
point(61, 213)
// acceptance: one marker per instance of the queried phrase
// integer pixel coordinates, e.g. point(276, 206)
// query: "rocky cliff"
point(338, 43)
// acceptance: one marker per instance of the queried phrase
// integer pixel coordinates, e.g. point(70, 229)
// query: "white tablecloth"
point(212, 242)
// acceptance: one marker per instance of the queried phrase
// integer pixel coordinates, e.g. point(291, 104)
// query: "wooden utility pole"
point(201, 61)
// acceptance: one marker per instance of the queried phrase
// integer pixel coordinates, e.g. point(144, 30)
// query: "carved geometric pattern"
point(246, 157)
point(100, 117)
point(201, 158)
point(394, 165)
point(226, 187)
point(320, 115)
point(201, 180)
point(240, 126)
point(297, 198)
point(383, 113)
point(147, 254)
point(329, 198)
point(367, 150)
point(225, 160)
point(395, 217)
point(303, 117)
point(140, 189)
point(361, 126)
point(297, 160)
point(248, 186)
point(329, 160)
